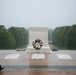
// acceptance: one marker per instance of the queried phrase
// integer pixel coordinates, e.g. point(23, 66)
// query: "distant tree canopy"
point(71, 38)
point(14, 37)
point(6, 38)
point(50, 31)
point(20, 34)
point(65, 37)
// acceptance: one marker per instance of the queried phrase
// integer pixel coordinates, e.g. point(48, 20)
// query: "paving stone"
point(51, 60)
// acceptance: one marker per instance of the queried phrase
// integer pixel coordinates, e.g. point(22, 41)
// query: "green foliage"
point(71, 37)
point(13, 37)
point(21, 36)
point(59, 36)
point(6, 38)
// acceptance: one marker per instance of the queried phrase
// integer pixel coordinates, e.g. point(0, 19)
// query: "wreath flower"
point(37, 44)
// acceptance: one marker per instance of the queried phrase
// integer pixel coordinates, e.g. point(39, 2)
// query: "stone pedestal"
point(41, 33)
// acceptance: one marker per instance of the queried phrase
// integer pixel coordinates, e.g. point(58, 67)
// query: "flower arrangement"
point(37, 44)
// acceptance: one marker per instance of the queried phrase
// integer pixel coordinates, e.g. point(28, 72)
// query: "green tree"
point(57, 36)
point(60, 36)
point(6, 38)
point(71, 37)
point(20, 35)
point(64, 36)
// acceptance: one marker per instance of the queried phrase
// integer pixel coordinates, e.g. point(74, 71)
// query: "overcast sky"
point(30, 13)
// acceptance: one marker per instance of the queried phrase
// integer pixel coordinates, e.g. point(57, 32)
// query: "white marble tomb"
point(38, 32)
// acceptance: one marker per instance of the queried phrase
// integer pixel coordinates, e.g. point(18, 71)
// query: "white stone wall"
point(38, 32)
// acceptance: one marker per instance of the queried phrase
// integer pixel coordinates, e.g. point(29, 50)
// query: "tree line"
point(65, 37)
point(13, 37)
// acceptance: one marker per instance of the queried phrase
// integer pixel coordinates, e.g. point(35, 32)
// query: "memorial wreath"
point(37, 44)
